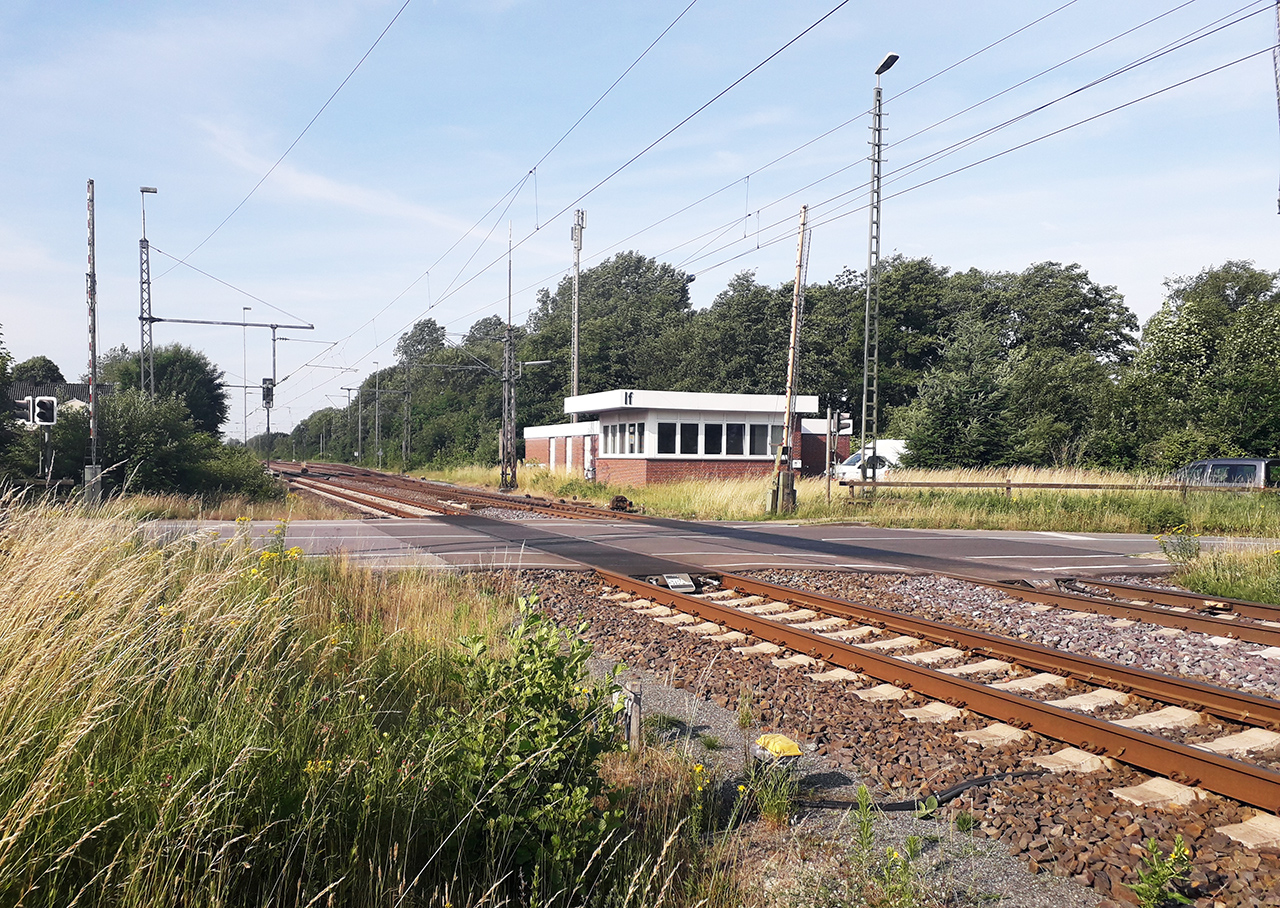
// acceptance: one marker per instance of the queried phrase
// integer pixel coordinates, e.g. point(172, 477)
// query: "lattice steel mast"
point(871, 332)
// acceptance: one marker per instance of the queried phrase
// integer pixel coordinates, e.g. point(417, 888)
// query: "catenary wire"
point(771, 241)
point(775, 161)
point(305, 129)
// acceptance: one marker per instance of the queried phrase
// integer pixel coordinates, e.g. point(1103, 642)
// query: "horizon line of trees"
point(977, 368)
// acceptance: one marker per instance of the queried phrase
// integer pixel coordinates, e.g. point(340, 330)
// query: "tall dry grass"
point(1137, 509)
point(1234, 572)
point(229, 507)
point(202, 723)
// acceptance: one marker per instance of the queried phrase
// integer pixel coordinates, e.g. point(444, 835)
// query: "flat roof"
point(636, 399)
point(563, 430)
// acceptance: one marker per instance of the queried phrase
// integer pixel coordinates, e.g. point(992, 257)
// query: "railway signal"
point(23, 410)
point(45, 411)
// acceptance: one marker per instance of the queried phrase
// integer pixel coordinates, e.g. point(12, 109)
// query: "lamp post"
point(871, 330)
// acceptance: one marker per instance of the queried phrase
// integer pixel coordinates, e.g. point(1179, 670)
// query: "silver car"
point(1245, 472)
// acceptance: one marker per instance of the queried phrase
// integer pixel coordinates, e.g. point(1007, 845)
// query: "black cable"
point(918, 804)
point(310, 123)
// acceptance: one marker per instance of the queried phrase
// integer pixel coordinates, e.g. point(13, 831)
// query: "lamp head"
point(886, 64)
point(147, 188)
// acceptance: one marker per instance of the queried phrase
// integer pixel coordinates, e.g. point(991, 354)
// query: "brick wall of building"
point(639, 472)
point(537, 450)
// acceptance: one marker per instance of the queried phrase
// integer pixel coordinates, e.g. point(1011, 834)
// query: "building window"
point(759, 438)
point(775, 438)
point(713, 436)
point(631, 438)
point(666, 438)
point(733, 436)
point(688, 438)
point(639, 438)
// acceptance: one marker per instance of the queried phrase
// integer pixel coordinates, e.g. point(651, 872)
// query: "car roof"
point(1232, 460)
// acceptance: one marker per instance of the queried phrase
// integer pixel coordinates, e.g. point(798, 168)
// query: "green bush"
point(174, 732)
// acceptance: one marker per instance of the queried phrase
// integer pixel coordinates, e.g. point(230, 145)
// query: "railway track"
point(401, 496)
point(436, 497)
point(900, 651)
point(1190, 737)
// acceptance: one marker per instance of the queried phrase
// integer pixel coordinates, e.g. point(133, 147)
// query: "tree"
point(39, 369)
point(633, 312)
point(180, 372)
point(425, 338)
point(1206, 370)
point(960, 416)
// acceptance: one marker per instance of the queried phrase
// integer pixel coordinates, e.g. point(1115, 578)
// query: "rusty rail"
point(1240, 781)
point(357, 496)
point(1259, 611)
point(1134, 611)
point(1237, 706)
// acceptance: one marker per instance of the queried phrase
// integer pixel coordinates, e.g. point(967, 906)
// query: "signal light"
point(22, 410)
point(46, 411)
point(268, 393)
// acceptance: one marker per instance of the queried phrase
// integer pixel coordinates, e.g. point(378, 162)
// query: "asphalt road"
point(658, 545)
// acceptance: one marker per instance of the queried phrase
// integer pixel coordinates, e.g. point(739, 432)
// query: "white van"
point(888, 452)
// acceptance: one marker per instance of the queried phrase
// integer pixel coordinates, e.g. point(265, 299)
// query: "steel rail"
point(361, 496)
point(1244, 782)
point(476, 496)
point(1150, 614)
point(1237, 706)
point(1259, 611)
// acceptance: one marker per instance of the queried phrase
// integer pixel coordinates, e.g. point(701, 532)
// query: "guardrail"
point(1009, 486)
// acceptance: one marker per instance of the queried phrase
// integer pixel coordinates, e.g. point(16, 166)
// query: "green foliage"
point(1180, 545)
point(529, 742)
point(182, 373)
point(773, 788)
point(1252, 575)
point(1162, 873)
point(746, 708)
point(38, 369)
point(177, 732)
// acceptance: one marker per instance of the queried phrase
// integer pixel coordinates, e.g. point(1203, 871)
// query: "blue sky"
point(459, 101)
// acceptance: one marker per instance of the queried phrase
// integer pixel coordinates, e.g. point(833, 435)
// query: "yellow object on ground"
point(779, 745)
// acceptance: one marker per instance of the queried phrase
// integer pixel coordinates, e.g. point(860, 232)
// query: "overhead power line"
point(1010, 150)
point(510, 194)
point(227, 284)
point(305, 129)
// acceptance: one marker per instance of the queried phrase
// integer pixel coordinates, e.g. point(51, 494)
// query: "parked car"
point(1246, 472)
point(888, 453)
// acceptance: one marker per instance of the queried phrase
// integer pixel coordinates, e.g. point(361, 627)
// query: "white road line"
point(1088, 567)
point(881, 538)
point(1037, 557)
point(1063, 535)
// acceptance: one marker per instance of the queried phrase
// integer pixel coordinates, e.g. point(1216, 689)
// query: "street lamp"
point(871, 327)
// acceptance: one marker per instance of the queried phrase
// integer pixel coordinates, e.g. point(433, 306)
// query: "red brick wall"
point(639, 472)
point(538, 449)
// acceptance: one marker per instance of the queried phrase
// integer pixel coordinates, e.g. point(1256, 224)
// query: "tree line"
point(977, 368)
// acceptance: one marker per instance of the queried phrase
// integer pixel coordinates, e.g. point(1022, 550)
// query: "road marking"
point(1063, 535)
point(1036, 557)
point(1089, 567)
point(903, 538)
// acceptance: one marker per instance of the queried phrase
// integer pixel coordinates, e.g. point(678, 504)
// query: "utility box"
point(782, 493)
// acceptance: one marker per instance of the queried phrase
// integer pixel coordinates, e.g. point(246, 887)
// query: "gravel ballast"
point(1058, 826)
